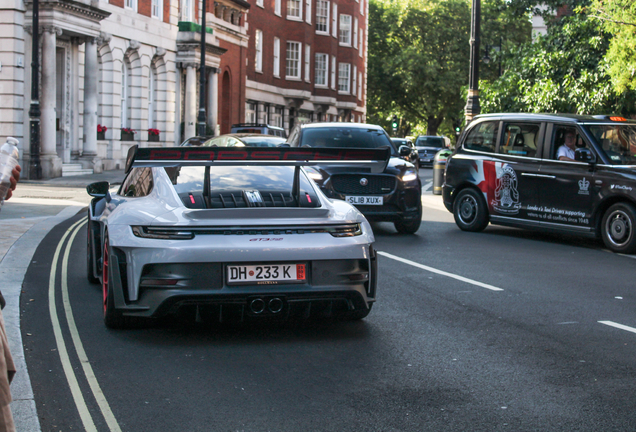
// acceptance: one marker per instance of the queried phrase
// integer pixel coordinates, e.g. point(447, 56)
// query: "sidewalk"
point(24, 221)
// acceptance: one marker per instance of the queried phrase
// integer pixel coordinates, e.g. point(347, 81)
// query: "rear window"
point(344, 137)
point(229, 186)
point(430, 141)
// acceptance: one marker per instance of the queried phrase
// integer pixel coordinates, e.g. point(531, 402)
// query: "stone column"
point(213, 99)
point(91, 69)
point(51, 163)
point(190, 101)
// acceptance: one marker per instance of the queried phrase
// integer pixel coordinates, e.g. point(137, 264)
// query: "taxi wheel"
point(618, 228)
point(90, 257)
point(470, 211)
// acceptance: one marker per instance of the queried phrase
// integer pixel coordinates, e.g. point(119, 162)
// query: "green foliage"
point(618, 18)
point(419, 58)
point(565, 71)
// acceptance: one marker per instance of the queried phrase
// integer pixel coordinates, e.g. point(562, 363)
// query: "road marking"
point(618, 326)
point(427, 186)
point(80, 403)
point(440, 272)
point(79, 347)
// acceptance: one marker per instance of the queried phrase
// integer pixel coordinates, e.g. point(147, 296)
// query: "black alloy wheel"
point(413, 225)
point(470, 210)
point(618, 228)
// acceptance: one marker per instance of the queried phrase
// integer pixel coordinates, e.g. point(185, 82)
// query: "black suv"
point(427, 147)
point(393, 196)
point(562, 173)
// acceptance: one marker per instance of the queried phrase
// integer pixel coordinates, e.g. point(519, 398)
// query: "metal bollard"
point(439, 164)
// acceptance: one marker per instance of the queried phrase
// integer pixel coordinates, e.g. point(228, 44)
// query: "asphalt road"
point(505, 330)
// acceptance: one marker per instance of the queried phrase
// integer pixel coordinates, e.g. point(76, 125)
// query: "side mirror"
point(584, 155)
point(98, 189)
point(404, 150)
point(284, 145)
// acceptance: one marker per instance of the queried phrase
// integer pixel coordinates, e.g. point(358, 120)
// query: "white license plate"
point(264, 274)
point(365, 200)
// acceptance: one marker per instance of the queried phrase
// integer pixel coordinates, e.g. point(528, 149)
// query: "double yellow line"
point(78, 397)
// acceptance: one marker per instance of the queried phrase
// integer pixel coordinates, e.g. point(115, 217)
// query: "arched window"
point(124, 94)
point(152, 98)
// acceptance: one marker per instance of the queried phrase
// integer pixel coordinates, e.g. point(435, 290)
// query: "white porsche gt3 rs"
point(230, 233)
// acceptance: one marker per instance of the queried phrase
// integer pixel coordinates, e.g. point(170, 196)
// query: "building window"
point(260, 3)
point(354, 84)
point(307, 63)
point(334, 22)
point(360, 85)
point(345, 30)
point(131, 4)
point(308, 11)
point(152, 104)
point(321, 69)
point(361, 7)
point(355, 33)
point(187, 10)
point(250, 112)
point(123, 113)
point(344, 72)
point(293, 60)
point(277, 7)
point(295, 9)
point(277, 117)
point(361, 50)
point(276, 57)
point(258, 42)
point(333, 72)
point(322, 16)
point(156, 9)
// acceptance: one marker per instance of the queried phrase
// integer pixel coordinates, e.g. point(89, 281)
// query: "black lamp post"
point(201, 119)
point(472, 107)
point(35, 167)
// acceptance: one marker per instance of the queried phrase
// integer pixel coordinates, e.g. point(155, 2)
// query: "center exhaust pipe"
point(275, 305)
point(257, 306)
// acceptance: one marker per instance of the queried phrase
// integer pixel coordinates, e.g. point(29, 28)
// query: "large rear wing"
point(375, 159)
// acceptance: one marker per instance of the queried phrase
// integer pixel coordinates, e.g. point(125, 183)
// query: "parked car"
point(258, 128)
point(194, 141)
point(393, 195)
point(240, 140)
point(427, 147)
point(228, 232)
point(413, 156)
point(513, 169)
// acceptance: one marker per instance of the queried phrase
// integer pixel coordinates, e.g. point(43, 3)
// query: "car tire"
point(618, 228)
point(112, 318)
point(358, 314)
point(90, 257)
point(470, 210)
point(412, 226)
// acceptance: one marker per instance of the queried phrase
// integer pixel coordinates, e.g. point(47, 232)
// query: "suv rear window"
point(345, 137)
point(430, 141)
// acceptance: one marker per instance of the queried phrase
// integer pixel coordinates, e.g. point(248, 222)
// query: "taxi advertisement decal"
point(506, 199)
point(483, 175)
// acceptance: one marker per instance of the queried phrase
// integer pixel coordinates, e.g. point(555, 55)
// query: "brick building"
point(134, 64)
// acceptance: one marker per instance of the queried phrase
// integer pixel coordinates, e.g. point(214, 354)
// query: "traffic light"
point(394, 124)
point(457, 130)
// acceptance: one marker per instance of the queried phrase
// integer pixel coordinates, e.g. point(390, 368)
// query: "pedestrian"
point(7, 368)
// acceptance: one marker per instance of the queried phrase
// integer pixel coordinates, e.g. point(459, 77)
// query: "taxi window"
point(482, 137)
point(562, 147)
point(520, 139)
point(618, 142)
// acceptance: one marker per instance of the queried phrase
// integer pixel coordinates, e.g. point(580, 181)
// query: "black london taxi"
point(553, 172)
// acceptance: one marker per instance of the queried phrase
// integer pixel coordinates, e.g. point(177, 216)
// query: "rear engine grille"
point(237, 200)
point(350, 184)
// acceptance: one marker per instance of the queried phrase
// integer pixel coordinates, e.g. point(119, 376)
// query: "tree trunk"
point(432, 124)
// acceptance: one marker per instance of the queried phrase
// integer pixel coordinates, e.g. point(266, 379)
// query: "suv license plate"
point(266, 274)
point(365, 200)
